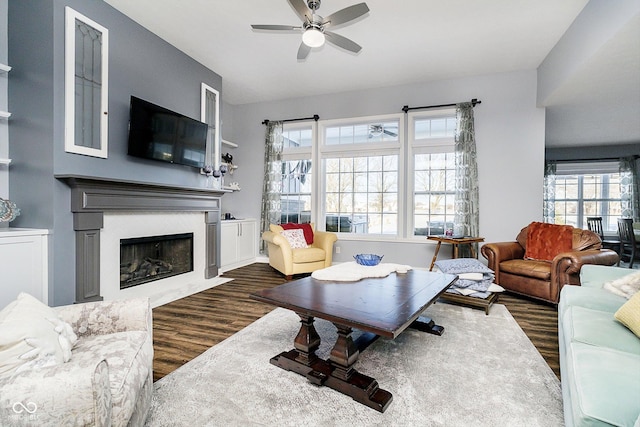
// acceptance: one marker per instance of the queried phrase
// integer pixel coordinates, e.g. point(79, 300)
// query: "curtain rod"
point(406, 108)
point(315, 117)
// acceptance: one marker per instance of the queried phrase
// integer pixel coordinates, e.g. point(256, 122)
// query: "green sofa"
point(599, 357)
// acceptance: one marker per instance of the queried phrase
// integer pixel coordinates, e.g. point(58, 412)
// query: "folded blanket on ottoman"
point(474, 278)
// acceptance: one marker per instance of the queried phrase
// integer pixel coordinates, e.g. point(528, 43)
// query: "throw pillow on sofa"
point(545, 241)
point(629, 314)
point(32, 335)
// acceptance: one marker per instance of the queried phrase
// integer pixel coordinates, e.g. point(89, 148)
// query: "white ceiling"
point(405, 41)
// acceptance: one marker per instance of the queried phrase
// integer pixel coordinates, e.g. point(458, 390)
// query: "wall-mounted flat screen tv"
point(161, 134)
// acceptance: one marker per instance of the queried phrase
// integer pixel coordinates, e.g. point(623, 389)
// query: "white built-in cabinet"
point(23, 264)
point(239, 242)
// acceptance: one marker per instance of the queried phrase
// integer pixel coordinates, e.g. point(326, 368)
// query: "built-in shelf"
point(5, 114)
point(5, 161)
point(229, 143)
point(4, 68)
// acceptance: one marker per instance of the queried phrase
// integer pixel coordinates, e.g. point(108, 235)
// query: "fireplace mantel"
point(92, 196)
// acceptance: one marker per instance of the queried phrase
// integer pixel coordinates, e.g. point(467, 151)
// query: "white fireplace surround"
point(125, 225)
point(106, 210)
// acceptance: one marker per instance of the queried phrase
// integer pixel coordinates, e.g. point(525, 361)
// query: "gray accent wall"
point(140, 64)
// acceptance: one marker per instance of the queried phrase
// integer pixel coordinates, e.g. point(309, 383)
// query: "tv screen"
point(161, 134)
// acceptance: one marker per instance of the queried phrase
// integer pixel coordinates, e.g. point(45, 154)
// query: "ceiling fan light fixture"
point(313, 37)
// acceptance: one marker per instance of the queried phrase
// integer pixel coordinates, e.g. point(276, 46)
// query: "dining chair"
point(594, 223)
point(629, 246)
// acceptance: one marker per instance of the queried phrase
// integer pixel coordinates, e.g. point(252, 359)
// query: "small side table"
point(456, 242)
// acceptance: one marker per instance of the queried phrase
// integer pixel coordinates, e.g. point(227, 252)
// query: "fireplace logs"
point(149, 267)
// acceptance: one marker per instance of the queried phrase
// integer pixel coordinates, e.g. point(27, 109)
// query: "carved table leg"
point(307, 341)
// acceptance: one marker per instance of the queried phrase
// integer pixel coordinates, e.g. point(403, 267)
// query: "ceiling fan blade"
point(345, 15)
point(342, 42)
point(303, 51)
point(275, 27)
point(301, 9)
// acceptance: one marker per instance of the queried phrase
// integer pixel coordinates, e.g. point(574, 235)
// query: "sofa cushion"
point(629, 315)
point(529, 268)
point(130, 358)
point(604, 385)
point(310, 254)
point(32, 335)
point(593, 298)
point(597, 328)
point(545, 241)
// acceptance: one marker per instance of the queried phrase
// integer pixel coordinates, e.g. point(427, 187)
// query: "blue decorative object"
point(368, 259)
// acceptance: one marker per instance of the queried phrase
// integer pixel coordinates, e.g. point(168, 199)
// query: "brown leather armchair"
point(544, 279)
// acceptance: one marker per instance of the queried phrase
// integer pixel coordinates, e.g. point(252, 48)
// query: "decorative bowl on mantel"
point(8, 210)
point(368, 259)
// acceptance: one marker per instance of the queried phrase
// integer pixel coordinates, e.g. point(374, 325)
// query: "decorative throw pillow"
point(306, 228)
point(545, 241)
point(626, 286)
point(32, 335)
point(629, 314)
point(295, 238)
point(462, 265)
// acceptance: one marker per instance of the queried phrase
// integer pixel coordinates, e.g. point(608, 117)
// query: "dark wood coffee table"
point(380, 307)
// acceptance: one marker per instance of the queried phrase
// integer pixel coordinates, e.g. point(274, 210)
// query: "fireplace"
point(106, 211)
point(146, 259)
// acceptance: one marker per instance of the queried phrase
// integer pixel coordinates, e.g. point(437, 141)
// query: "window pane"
point(434, 187)
point(362, 133)
point(365, 199)
point(580, 196)
point(296, 192)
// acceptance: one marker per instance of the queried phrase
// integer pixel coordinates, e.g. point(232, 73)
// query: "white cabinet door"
point(228, 243)
point(247, 240)
point(23, 265)
point(238, 243)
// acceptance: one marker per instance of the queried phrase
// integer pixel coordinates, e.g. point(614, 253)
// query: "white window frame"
point(70, 47)
point(422, 146)
point(361, 150)
point(305, 153)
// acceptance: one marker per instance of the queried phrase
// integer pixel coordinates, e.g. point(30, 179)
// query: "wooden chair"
point(629, 246)
point(594, 223)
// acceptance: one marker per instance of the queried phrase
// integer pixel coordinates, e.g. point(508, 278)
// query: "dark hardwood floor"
point(185, 328)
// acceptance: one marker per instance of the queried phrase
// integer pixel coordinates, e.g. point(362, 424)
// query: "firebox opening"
point(145, 259)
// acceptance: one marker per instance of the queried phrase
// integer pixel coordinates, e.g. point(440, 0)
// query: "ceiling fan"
point(314, 27)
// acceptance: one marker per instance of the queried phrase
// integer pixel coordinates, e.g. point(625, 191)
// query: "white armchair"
point(107, 382)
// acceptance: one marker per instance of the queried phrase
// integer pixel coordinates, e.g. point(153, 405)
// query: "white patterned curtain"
point(272, 187)
point(629, 189)
point(549, 201)
point(466, 186)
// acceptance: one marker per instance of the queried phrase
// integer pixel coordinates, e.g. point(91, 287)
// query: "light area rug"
point(483, 371)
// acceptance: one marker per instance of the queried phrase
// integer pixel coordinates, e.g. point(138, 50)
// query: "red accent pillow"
point(306, 229)
point(545, 241)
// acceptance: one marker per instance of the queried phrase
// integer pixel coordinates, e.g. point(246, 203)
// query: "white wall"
point(509, 137)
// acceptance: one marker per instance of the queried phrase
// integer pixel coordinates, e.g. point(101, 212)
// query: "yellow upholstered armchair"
point(290, 261)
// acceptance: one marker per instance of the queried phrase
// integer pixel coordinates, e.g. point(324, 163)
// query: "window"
point(86, 85)
point(433, 170)
point(360, 188)
point(582, 196)
point(587, 189)
point(297, 173)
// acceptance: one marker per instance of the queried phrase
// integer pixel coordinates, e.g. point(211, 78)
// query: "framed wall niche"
point(210, 114)
point(86, 85)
